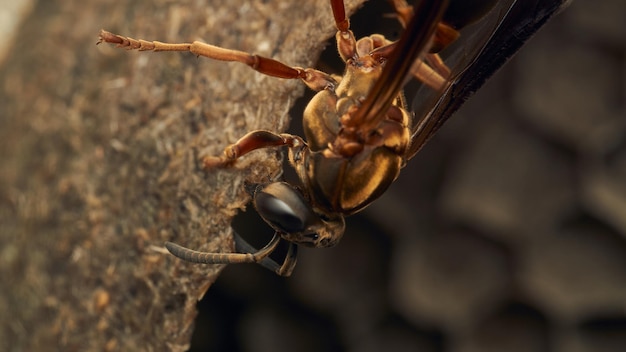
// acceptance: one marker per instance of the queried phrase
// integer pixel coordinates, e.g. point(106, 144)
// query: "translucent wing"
point(480, 51)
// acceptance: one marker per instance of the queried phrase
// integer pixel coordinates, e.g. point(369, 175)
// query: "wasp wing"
point(480, 51)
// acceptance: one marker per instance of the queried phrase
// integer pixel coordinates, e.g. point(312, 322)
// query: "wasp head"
point(286, 210)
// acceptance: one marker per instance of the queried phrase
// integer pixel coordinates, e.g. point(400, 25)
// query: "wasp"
point(359, 131)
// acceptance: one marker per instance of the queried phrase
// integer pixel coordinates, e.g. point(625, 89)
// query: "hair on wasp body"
point(358, 131)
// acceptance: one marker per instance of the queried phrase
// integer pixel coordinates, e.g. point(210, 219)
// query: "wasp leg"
point(314, 79)
point(251, 141)
point(222, 258)
point(404, 11)
point(433, 72)
point(436, 73)
point(435, 61)
point(346, 42)
point(430, 77)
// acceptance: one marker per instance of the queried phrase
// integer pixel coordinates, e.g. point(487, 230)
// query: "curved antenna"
point(249, 255)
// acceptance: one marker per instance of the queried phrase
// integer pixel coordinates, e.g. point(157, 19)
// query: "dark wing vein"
point(483, 51)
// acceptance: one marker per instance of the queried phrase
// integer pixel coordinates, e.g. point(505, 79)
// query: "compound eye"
point(283, 208)
point(278, 213)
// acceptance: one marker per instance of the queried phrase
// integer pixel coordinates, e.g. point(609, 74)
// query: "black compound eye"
point(278, 213)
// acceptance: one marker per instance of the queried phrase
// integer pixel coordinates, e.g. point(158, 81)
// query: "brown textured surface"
point(506, 233)
point(99, 150)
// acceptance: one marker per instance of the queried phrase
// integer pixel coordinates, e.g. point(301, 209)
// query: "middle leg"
point(250, 142)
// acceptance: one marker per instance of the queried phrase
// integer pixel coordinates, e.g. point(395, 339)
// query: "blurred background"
point(507, 232)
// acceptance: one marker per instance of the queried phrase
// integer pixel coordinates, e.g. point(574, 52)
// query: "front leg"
point(314, 79)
